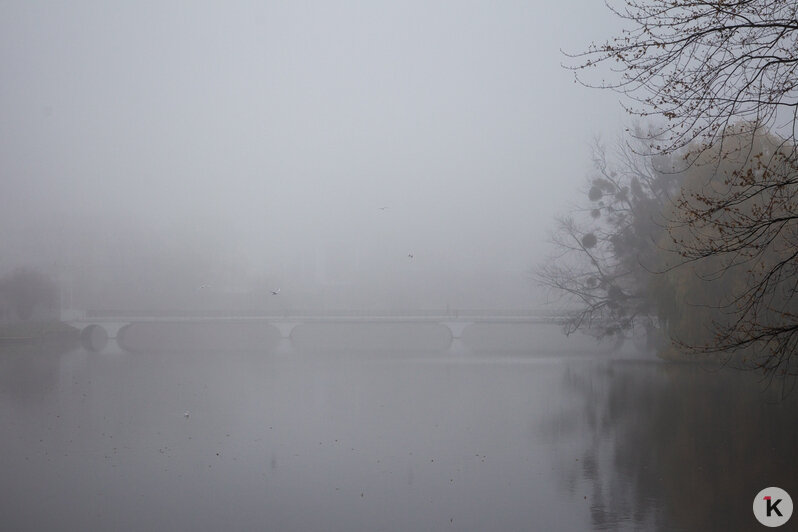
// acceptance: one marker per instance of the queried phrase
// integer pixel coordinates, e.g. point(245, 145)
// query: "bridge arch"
point(94, 338)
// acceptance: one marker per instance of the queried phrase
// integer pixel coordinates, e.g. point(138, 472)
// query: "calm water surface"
point(390, 441)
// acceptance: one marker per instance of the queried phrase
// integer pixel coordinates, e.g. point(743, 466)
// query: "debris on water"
point(186, 414)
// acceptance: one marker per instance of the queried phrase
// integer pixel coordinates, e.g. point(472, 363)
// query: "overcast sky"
point(292, 123)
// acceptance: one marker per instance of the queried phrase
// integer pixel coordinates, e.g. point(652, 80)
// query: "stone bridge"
point(98, 326)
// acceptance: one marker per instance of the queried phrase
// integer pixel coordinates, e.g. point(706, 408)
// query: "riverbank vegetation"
point(700, 260)
point(37, 333)
point(689, 233)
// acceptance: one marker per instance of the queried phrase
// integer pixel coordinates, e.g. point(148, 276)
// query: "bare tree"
point(702, 65)
point(720, 74)
point(602, 246)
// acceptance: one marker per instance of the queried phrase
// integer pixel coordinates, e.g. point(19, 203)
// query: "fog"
point(151, 149)
point(269, 266)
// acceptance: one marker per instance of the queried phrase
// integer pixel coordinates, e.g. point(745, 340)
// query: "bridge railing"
point(329, 313)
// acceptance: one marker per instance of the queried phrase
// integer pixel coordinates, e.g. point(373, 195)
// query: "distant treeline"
point(27, 294)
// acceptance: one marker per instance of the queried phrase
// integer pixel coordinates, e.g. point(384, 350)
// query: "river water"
point(392, 440)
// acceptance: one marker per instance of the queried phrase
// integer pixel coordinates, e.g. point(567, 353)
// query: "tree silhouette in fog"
point(25, 289)
point(603, 245)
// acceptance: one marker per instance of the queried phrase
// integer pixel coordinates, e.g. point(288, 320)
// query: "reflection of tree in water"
point(679, 447)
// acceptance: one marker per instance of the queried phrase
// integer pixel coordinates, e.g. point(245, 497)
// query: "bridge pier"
point(285, 328)
point(456, 328)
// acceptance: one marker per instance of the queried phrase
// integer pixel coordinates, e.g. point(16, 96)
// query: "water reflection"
point(29, 373)
point(679, 447)
point(389, 441)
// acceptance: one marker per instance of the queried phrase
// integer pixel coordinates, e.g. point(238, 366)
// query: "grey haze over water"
point(268, 136)
point(307, 165)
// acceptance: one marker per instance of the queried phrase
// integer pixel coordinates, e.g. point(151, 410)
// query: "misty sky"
point(287, 124)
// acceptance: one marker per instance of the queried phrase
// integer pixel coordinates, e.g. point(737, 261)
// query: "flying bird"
point(203, 286)
point(383, 208)
point(275, 292)
point(410, 256)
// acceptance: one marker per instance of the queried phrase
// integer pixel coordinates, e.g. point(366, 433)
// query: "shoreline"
point(48, 333)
